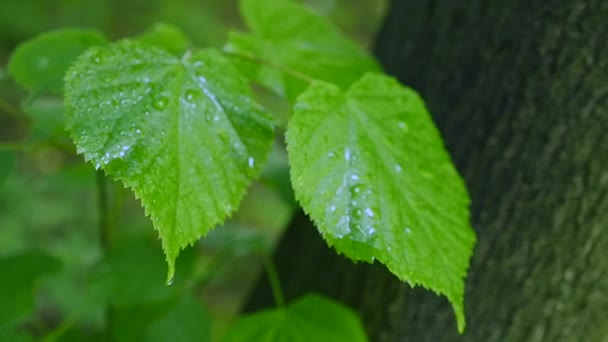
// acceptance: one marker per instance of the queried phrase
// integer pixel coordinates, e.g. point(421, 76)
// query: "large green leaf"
point(18, 279)
point(40, 63)
point(182, 133)
point(311, 318)
point(370, 168)
point(287, 36)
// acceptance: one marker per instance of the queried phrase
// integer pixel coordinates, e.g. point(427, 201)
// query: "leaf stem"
point(105, 233)
point(103, 211)
point(257, 60)
point(275, 283)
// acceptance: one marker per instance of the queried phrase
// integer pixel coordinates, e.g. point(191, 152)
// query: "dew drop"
point(190, 95)
point(350, 156)
point(227, 208)
point(331, 155)
point(332, 208)
point(354, 177)
point(408, 230)
point(170, 282)
point(122, 153)
point(138, 131)
point(369, 212)
point(398, 168)
point(161, 103)
point(371, 231)
point(355, 191)
point(402, 125)
point(251, 162)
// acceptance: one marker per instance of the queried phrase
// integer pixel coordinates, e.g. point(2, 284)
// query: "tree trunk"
point(519, 90)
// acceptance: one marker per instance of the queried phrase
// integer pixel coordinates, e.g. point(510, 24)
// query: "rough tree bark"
point(519, 90)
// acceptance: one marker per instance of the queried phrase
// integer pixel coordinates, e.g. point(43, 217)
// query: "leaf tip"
point(458, 308)
point(170, 270)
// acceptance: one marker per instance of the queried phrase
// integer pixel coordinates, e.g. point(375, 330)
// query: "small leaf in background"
point(310, 318)
point(181, 319)
point(132, 273)
point(7, 161)
point(47, 121)
point(186, 321)
point(288, 35)
point(370, 168)
point(184, 133)
point(40, 63)
point(18, 280)
point(167, 37)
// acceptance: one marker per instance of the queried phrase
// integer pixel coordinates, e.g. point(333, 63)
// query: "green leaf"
point(115, 281)
point(39, 64)
point(287, 36)
point(183, 134)
point(46, 113)
point(310, 318)
point(186, 321)
point(370, 168)
point(18, 280)
point(167, 37)
point(180, 319)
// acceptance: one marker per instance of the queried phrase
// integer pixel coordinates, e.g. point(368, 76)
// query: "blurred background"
point(59, 280)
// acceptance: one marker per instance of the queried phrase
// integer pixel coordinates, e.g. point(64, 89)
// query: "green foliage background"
point(74, 284)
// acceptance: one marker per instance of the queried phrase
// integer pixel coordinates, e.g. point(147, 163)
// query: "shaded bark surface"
point(519, 90)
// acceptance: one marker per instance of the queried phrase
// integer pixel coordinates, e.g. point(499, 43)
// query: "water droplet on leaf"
point(161, 103)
